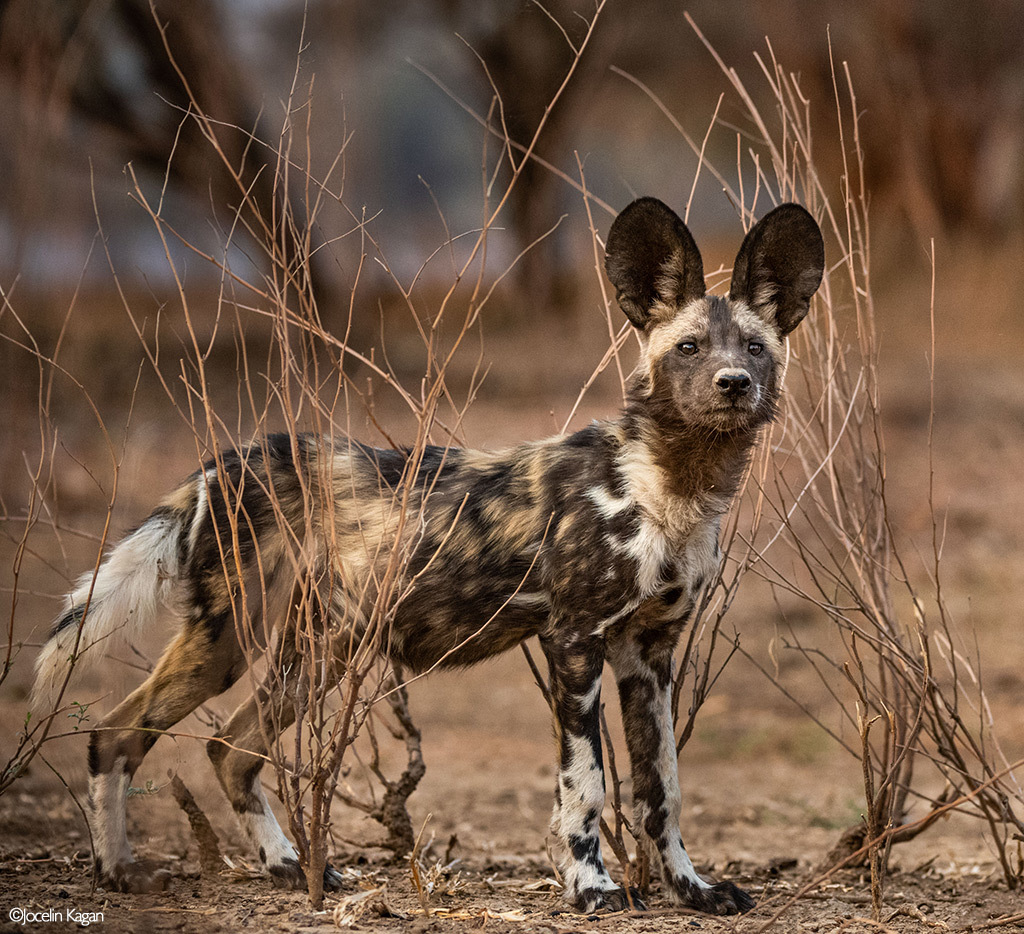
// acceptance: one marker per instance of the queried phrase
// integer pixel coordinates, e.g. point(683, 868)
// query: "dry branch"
point(210, 861)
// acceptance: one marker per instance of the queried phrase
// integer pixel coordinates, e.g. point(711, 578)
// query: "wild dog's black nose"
point(732, 382)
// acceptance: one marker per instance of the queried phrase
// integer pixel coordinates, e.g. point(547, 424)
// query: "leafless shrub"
point(337, 678)
point(322, 669)
point(902, 674)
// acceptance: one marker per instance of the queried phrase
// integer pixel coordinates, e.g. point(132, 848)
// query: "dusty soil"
point(766, 793)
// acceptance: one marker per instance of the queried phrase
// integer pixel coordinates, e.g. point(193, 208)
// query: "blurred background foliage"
point(402, 89)
point(86, 87)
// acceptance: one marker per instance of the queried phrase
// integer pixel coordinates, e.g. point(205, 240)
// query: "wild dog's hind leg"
point(642, 661)
point(575, 668)
point(237, 753)
point(195, 667)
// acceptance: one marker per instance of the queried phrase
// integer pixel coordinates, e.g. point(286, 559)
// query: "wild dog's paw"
point(722, 898)
point(616, 899)
point(288, 874)
point(136, 878)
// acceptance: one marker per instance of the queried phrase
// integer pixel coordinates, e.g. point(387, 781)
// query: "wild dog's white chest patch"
point(669, 574)
point(607, 503)
point(651, 550)
point(676, 544)
point(695, 566)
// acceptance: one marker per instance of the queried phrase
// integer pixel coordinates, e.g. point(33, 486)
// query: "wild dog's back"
point(506, 539)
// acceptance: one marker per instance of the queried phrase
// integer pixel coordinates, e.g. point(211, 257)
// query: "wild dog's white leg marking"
point(108, 794)
point(115, 867)
point(265, 833)
point(577, 824)
point(677, 868)
point(643, 670)
point(276, 852)
point(575, 665)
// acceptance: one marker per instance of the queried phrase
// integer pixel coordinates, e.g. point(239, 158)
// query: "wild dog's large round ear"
point(779, 266)
point(651, 260)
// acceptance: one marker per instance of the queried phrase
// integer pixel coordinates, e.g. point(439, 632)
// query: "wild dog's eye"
point(687, 347)
point(754, 348)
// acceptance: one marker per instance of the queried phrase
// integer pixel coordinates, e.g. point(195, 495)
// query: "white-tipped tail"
point(111, 606)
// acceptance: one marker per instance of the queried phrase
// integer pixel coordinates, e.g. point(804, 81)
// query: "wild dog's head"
point(712, 361)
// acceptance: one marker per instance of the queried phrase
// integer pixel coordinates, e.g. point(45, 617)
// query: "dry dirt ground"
point(766, 794)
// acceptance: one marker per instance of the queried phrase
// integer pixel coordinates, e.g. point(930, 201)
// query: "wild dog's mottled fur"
point(597, 543)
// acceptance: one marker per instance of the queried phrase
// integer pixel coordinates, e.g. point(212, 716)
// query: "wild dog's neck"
point(697, 464)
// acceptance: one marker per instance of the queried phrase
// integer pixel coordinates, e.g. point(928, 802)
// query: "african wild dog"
point(598, 543)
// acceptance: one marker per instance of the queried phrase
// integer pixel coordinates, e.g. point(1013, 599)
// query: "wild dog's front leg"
point(642, 662)
point(575, 668)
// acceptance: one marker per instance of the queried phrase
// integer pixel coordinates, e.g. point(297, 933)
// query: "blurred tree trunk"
point(527, 56)
point(952, 79)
